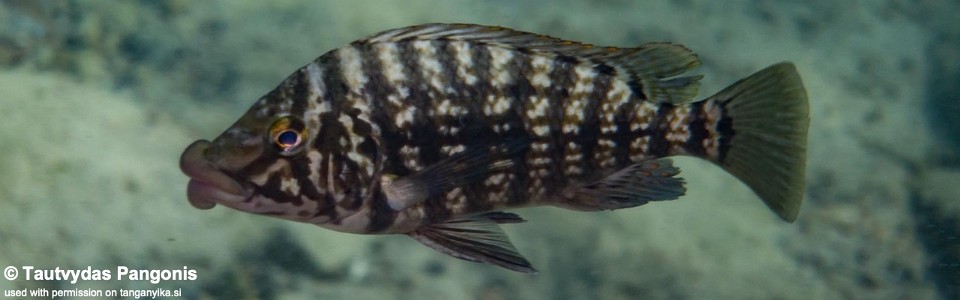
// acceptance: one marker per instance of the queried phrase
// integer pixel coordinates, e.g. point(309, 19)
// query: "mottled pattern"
point(395, 103)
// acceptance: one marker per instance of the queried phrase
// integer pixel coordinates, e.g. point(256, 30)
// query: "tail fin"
point(763, 135)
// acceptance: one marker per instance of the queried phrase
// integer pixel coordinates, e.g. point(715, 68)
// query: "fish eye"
point(287, 134)
point(288, 139)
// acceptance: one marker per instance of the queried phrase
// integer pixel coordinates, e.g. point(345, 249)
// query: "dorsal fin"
point(647, 68)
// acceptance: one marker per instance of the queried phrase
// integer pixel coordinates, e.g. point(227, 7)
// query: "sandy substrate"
point(90, 177)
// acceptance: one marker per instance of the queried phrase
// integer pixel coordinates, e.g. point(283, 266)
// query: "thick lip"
point(208, 185)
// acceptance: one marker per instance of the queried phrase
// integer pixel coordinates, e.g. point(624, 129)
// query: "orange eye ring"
point(288, 134)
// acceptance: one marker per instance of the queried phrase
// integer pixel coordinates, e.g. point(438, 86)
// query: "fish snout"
point(208, 184)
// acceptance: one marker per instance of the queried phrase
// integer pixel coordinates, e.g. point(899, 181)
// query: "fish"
point(435, 130)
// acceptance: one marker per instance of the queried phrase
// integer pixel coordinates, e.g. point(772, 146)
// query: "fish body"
point(433, 130)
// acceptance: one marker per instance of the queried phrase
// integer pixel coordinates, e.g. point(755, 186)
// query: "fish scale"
point(431, 130)
point(427, 62)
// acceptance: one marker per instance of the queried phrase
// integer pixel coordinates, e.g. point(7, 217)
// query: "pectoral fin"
point(477, 239)
point(465, 167)
point(652, 180)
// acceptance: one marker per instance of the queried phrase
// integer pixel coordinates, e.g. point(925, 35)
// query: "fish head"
point(222, 171)
point(265, 163)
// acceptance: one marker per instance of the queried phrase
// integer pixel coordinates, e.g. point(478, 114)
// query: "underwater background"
point(99, 98)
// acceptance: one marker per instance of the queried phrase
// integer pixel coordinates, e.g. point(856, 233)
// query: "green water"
point(99, 98)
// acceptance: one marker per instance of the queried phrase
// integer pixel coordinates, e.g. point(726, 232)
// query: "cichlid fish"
point(432, 130)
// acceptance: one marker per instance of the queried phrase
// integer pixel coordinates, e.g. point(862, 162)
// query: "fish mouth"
point(209, 185)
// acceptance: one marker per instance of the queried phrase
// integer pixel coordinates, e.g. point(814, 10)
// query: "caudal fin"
point(763, 136)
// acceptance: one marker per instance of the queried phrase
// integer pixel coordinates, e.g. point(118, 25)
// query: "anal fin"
point(477, 239)
point(638, 184)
